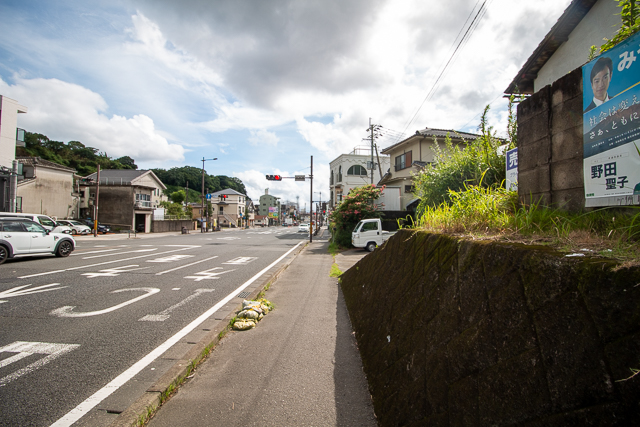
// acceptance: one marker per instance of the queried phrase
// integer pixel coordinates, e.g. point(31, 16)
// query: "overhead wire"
point(461, 43)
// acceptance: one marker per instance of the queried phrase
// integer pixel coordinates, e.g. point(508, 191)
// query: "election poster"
point(611, 126)
point(273, 212)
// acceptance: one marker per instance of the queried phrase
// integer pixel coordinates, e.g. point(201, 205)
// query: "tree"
point(357, 205)
point(177, 196)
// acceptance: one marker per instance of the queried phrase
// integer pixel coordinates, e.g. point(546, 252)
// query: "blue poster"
point(611, 123)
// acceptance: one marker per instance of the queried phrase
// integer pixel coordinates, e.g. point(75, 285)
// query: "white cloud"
point(261, 138)
point(65, 111)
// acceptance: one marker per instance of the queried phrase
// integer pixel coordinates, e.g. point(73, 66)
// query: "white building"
point(350, 171)
point(10, 136)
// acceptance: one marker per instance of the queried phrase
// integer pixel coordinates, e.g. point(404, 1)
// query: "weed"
point(335, 271)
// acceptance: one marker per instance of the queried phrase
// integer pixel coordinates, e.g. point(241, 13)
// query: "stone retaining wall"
point(468, 333)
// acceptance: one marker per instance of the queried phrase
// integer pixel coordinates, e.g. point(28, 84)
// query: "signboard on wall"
point(511, 159)
point(273, 212)
point(611, 126)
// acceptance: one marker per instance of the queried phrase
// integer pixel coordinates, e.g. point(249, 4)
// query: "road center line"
point(83, 408)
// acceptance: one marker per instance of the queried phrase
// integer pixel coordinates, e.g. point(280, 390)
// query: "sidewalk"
point(299, 366)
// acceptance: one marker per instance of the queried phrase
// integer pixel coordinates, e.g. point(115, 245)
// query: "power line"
point(470, 29)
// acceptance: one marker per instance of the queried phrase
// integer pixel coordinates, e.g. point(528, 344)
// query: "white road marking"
point(175, 289)
point(20, 291)
point(171, 258)
point(25, 349)
point(106, 262)
point(121, 253)
point(83, 408)
point(113, 272)
point(241, 260)
point(228, 238)
point(208, 274)
point(66, 311)
point(94, 252)
point(164, 314)
point(187, 265)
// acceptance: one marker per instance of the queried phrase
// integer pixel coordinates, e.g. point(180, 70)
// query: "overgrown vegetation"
point(630, 17)
point(472, 200)
point(357, 205)
point(74, 154)
point(475, 163)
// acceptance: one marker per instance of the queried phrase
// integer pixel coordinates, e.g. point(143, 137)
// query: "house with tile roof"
point(126, 198)
point(583, 24)
point(411, 155)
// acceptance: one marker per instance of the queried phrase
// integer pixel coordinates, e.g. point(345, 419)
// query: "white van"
point(43, 220)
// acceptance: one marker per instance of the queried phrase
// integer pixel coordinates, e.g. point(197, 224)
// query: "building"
point(350, 171)
point(553, 167)
point(269, 207)
point(46, 187)
point(229, 208)
point(583, 24)
point(412, 154)
point(10, 137)
point(126, 198)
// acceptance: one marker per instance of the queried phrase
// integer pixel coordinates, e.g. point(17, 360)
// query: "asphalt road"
point(82, 337)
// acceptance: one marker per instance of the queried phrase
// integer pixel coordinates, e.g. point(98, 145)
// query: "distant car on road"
point(21, 236)
point(303, 227)
point(77, 227)
point(102, 228)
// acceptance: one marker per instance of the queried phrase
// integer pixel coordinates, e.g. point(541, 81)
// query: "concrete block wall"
point(471, 333)
point(550, 145)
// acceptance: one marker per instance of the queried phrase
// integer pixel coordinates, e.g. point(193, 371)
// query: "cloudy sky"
point(260, 84)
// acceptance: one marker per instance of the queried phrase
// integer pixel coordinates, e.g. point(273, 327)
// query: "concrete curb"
point(155, 395)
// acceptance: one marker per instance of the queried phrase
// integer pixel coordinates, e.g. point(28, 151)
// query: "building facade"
point(269, 207)
point(350, 171)
point(126, 198)
point(229, 208)
point(47, 188)
point(583, 24)
point(10, 137)
point(411, 155)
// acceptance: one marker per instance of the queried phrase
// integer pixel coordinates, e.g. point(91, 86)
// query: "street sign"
point(208, 196)
point(299, 177)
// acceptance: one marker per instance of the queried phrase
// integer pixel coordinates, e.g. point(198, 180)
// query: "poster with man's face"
point(611, 126)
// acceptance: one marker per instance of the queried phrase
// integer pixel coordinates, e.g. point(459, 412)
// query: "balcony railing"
point(143, 204)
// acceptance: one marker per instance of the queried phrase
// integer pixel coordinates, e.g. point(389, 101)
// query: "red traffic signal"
point(274, 177)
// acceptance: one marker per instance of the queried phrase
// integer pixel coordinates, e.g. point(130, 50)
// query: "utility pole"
point(311, 203)
point(372, 164)
point(95, 206)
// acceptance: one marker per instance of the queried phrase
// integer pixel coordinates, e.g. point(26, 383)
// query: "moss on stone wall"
point(456, 332)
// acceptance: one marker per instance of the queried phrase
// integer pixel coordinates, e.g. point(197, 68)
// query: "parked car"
point(102, 228)
point(303, 227)
point(47, 222)
point(21, 236)
point(369, 234)
point(76, 226)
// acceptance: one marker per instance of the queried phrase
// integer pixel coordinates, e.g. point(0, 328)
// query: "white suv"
point(20, 236)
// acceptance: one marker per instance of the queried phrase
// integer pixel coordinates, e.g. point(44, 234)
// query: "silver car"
point(77, 227)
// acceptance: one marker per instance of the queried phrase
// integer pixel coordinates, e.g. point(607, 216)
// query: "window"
point(409, 188)
point(370, 226)
point(357, 170)
point(403, 161)
point(339, 173)
point(331, 181)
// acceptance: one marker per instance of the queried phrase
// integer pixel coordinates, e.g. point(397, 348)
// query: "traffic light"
point(223, 197)
point(274, 177)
